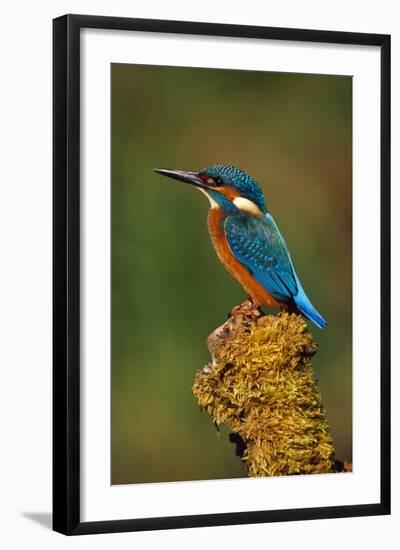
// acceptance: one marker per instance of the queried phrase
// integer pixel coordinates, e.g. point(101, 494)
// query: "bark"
point(261, 385)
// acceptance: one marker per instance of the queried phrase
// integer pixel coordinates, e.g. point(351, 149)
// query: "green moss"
point(261, 386)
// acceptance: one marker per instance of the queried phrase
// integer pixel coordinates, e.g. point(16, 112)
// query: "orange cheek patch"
point(228, 192)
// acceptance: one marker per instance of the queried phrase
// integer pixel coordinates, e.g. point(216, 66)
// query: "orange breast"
point(257, 293)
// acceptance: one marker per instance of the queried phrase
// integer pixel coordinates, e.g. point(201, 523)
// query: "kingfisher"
point(247, 240)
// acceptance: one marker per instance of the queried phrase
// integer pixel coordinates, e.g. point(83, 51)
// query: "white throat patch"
point(248, 206)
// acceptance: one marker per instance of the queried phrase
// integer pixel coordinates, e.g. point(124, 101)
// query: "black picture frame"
point(66, 273)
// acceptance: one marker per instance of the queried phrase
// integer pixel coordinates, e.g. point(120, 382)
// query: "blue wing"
point(258, 245)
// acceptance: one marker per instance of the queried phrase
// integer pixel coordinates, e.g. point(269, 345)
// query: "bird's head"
point(227, 187)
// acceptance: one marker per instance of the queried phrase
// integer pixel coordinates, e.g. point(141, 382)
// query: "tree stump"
point(261, 385)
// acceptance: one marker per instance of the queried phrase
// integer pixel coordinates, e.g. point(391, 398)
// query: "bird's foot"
point(247, 309)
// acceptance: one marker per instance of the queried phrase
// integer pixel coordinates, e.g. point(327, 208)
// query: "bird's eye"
point(211, 180)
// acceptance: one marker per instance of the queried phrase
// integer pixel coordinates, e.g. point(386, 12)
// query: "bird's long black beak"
point(192, 178)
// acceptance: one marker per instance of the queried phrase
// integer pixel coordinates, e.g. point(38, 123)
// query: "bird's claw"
point(246, 309)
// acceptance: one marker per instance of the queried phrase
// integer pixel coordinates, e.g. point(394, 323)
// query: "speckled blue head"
point(225, 185)
point(226, 175)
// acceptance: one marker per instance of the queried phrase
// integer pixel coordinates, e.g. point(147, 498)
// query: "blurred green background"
point(292, 133)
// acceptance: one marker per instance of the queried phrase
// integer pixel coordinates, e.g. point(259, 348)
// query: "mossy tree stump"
point(261, 385)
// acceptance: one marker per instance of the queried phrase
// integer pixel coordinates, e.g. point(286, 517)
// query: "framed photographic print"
point(220, 357)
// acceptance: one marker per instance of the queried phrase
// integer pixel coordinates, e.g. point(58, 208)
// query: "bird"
point(247, 240)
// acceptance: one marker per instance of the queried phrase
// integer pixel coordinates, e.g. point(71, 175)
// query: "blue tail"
point(308, 310)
